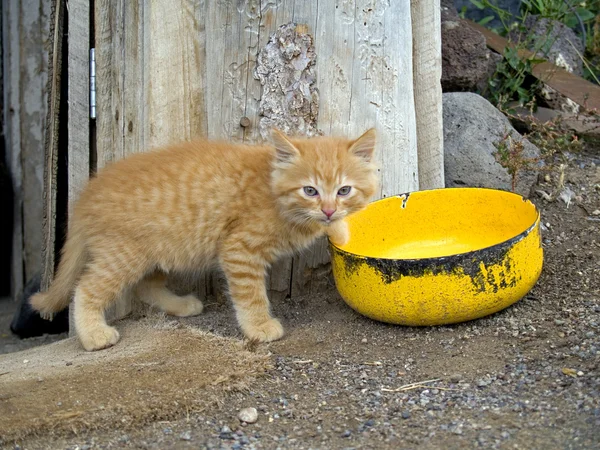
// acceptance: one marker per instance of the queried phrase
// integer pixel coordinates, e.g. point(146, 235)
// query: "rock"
point(556, 38)
point(248, 415)
point(471, 127)
point(467, 63)
point(225, 433)
point(186, 436)
point(562, 48)
point(455, 378)
point(583, 124)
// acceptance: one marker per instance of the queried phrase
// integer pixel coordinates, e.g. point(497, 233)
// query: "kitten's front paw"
point(99, 338)
point(339, 234)
point(268, 331)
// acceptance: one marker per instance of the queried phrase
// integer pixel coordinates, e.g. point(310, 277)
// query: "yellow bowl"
point(440, 256)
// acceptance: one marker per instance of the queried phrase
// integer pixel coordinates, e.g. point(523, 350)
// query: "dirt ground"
point(527, 377)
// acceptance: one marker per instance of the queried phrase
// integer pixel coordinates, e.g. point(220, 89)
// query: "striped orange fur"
point(199, 205)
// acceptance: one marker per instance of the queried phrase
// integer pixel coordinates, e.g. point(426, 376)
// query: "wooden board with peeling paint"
point(26, 31)
point(178, 69)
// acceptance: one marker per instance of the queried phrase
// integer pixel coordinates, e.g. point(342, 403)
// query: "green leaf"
point(478, 4)
point(485, 20)
point(533, 61)
point(585, 14)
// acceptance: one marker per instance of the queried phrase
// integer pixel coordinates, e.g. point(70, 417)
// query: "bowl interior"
point(436, 223)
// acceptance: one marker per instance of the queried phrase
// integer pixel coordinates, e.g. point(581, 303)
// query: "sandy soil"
point(527, 377)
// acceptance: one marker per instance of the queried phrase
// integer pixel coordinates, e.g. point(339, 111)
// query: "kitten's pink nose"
point(328, 212)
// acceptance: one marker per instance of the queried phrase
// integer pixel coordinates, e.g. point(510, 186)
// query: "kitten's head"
point(321, 180)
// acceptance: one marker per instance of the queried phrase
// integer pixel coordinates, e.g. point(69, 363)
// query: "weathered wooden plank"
point(32, 86)
point(26, 25)
point(110, 67)
point(150, 84)
point(173, 49)
point(110, 24)
point(233, 27)
point(273, 15)
point(55, 58)
point(10, 17)
point(396, 119)
point(174, 61)
point(78, 139)
point(427, 72)
point(79, 100)
point(364, 79)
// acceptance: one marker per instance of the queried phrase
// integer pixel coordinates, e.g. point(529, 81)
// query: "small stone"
point(225, 433)
point(455, 378)
point(186, 436)
point(364, 340)
point(483, 382)
point(346, 434)
point(69, 363)
point(25, 361)
point(596, 212)
point(248, 415)
point(406, 414)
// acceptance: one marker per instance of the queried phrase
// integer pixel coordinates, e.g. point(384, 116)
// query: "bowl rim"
point(502, 244)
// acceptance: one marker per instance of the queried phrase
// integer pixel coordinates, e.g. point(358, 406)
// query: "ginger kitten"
point(197, 205)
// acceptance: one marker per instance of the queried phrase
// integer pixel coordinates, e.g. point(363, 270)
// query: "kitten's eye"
point(310, 191)
point(344, 190)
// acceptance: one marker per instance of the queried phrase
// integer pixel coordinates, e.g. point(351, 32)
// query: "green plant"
point(509, 81)
point(510, 155)
point(512, 80)
point(553, 138)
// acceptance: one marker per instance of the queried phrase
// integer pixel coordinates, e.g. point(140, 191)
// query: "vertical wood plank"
point(427, 70)
point(51, 143)
point(174, 41)
point(365, 79)
point(25, 69)
point(173, 65)
point(79, 99)
point(78, 139)
point(110, 66)
point(111, 60)
point(32, 86)
point(10, 17)
point(150, 59)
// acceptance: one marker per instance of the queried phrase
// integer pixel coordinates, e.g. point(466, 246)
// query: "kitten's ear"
point(364, 146)
point(285, 150)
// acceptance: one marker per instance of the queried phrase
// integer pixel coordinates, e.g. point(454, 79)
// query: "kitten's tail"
point(72, 262)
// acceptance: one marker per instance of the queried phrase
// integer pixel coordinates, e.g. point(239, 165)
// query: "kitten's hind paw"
point(268, 331)
point(99, 338)
point(189, 306)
